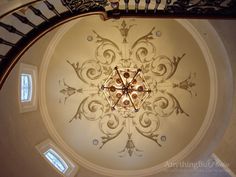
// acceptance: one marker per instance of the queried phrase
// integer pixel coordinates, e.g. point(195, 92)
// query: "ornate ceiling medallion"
point(126, 89)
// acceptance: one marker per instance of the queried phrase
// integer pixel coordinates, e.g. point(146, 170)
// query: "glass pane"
point(56, 160)
point(26, 87)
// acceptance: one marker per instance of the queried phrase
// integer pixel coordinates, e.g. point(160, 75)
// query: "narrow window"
point(56, 160)
point(26, 87)
point(27, 92)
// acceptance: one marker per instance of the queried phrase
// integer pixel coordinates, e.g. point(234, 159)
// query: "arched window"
point(57, 159)
point(27, 88)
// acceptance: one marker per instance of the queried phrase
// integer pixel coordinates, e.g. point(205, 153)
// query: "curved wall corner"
point(224, 94)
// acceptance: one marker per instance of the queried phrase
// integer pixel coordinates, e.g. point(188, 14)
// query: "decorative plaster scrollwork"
point(166, 104)
point(130, 148)
point(68, 91)
point(148, 125)
point(164, 66)
point(90, 108)
point(107, 51)
point(158, 71)
point(143, 49)
point(111, 126)
point(186, 84)
point(90, 69)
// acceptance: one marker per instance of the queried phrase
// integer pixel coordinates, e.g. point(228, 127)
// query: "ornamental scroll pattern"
point(201, 7)
point(84, 5)
point(158, 71)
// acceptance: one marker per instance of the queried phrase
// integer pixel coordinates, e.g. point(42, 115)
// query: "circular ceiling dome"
point(90, 85)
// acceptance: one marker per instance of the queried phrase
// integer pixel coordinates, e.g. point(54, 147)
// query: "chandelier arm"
point(104, 87)
point(139, 90)
point(132, 102)
point(134, 77)
point(113, 107)
point(119, 88)
point(116, 68)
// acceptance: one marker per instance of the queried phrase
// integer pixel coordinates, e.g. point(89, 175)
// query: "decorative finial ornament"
point(115, 7)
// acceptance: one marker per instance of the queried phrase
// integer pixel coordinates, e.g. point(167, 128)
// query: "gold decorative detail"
point(111, 127)
point(126, 89)
point(107, 50)
point(147, 125)
point(124, 30)
point(130, 148)
point(68, 91)
point(186, 84)
point(166, 104)
point(158, 72)
point(164, 66)
point(91, 109)
point(90, 69)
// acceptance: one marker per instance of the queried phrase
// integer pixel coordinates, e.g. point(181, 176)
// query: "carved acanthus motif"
point(124, 30)
point(68, 91)
point(186, 84)
point(130, 148)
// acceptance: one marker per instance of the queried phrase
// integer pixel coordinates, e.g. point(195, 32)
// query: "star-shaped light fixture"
point(126, 89)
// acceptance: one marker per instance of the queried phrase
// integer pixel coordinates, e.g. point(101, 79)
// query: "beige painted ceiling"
point(172, 117)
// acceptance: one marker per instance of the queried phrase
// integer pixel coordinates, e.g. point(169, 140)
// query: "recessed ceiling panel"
point(171, 68)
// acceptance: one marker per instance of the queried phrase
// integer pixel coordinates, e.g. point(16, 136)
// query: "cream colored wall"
point(226, 150)
point(19, 133)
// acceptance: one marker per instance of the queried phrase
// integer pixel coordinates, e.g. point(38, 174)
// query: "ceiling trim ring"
point(149, 171)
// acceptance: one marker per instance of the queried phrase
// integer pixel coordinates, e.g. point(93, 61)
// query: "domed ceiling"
point(127, 94)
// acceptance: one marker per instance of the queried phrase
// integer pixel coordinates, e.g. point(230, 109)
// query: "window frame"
point(58, 157)
point(48, 144)
point(31, 105)
point(29, 87)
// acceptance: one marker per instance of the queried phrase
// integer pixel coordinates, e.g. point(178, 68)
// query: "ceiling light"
point(126, 89)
